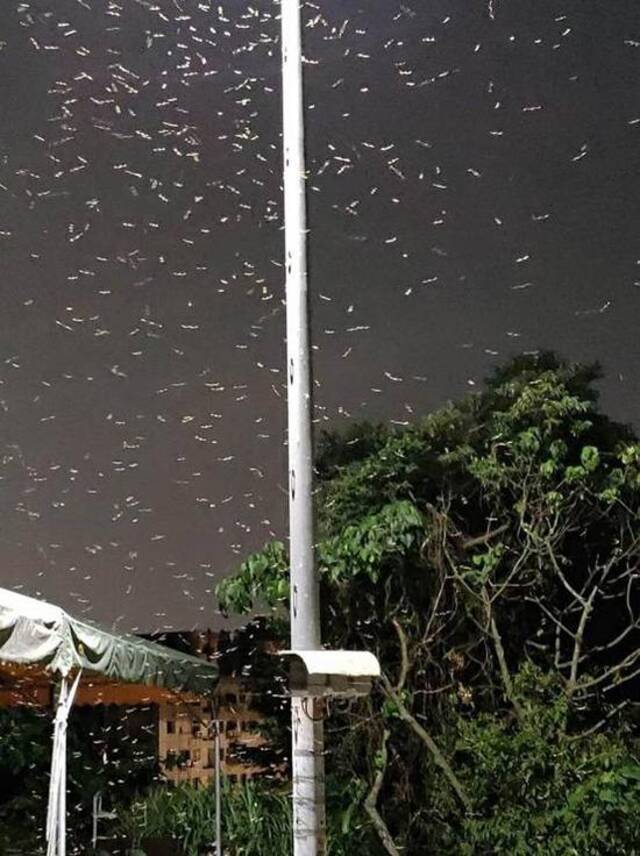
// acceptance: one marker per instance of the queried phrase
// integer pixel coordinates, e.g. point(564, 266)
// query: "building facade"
point(185, 736)
point(185, 731)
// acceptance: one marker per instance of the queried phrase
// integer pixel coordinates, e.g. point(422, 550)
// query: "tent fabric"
point(33, 632)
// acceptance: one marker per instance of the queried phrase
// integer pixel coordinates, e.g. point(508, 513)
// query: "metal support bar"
point(218, 796)
point(99, 814)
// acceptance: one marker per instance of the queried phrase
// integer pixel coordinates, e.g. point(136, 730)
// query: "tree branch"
point(371, 801)
point(502, 660)
point(470, 543)
point(404, 653)
point(429, 742)
point(599, 725)
point(577, 645)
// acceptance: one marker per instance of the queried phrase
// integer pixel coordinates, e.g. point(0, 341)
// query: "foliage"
point(25, 757)
point(24, 744)
point(495, 540)
point(256, 819)
point(176, 760)
point(263, 578)
point(184, 813)
point(536, 790)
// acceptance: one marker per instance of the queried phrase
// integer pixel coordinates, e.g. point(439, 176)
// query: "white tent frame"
point(57, 806)
point(37, 634)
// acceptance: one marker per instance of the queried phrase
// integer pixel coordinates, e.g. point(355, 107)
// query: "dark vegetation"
point(489, 555)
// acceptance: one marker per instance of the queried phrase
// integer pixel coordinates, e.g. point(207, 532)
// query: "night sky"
point(474, 175)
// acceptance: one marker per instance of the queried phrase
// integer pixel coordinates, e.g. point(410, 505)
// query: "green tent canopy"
point(36, 633)
point(42, 646)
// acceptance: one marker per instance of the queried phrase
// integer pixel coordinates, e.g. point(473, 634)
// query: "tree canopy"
point(488, 554)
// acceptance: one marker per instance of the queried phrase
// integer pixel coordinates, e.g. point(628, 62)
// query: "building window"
point(171, 726)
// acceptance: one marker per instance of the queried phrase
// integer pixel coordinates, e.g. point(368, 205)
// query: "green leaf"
point(590, 458)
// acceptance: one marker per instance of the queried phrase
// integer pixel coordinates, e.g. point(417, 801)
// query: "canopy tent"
point(34, 633)
point(47, 655)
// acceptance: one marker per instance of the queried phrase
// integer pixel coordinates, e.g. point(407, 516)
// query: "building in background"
point(185, 737)
point(185, 731)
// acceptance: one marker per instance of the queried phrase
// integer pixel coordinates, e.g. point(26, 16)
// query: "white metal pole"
point(57, 807)
point(94, 834)
point(217, 785)
point(62, 794)
point(58, 747)
point(309, 837)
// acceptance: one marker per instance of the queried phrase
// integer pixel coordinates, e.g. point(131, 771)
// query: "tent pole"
point(62, 795)
point(57, 807)
point(53, 806)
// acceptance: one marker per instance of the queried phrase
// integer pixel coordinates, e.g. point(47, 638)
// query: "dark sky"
point(474, 187)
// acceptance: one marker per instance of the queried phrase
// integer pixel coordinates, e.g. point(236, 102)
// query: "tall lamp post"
point(309, 837)
point(315, 673)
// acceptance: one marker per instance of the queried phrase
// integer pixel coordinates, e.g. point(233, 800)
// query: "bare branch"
point(565, 581)
point(599, 725)
point(429, 742)
point(613, 672)
point(577, 645)
point(502, 661)
point(371, 802)
point(470, 543)
point(404, 653)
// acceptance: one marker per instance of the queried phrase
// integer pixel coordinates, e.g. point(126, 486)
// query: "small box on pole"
point(336, 674)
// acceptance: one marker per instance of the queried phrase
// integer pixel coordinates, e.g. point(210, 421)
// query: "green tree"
point(488, 555)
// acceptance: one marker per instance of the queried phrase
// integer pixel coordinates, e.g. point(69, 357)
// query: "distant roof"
point(34, 633)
